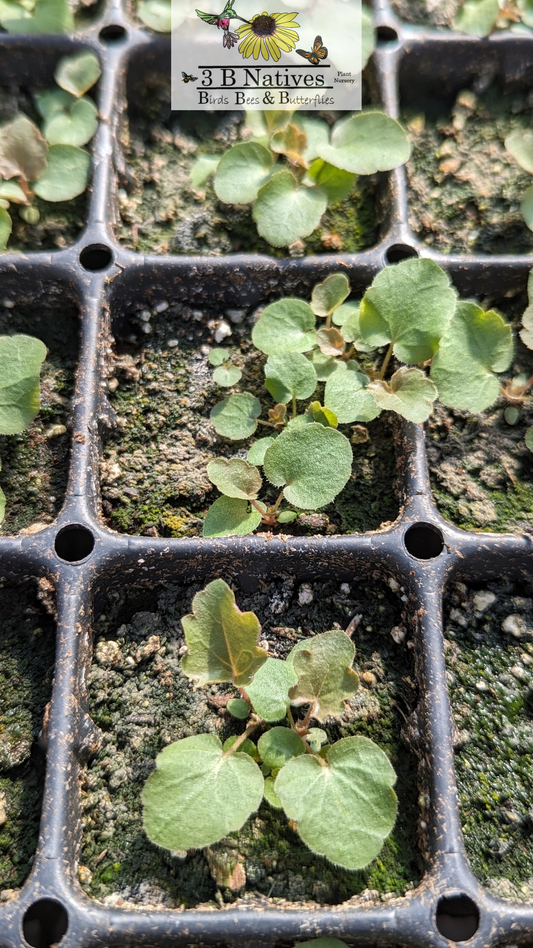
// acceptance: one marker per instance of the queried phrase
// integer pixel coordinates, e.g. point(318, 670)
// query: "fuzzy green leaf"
point(23, 149)
point(366, 143)
point(330, 341)
point(227, 375)
point(54, 100)
point(316, 132)
point(241, 172)
point(320, 414)
point(475, 345)
point(78, 73)
point(409, 304)
point(526, 206)
point(235, 478)
point(66, 175)
point(279, 745)
point(196, 795)
point(529, 439)
point(285, 326)
point(284, 211)
point(324, 365)
point(316, 737)
point(73, 127)
point(235, 416)
point(271, 796)
point(346, 809)
point(230, 517)
point(329, 295)
point(290, 375)
point(287, 516)
point(20, 364)
point(312, 463)
point(240, 709)
point(247, 746)
point(409, 393)
point(47, 16)
point(325, 677)
point(156, 14)
point(520, 146)
point(477, 17)
point(347, 394)
point(202, 169)
point(334, 182)
point(218, 356)
point(6, 225)
point(526, 333)
point(221, 640)
point(269, 691)
point(348, 318)
point(256, 454)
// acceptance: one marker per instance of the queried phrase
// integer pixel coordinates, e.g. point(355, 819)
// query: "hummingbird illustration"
point(221, 20)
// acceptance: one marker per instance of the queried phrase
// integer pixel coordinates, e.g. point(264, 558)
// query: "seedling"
point(293, 167)
point(49, 162)
point(20, 366)
point(340, 794)
point(520, 146)
point(36, 16)
point(436, 347)
point(482, 17)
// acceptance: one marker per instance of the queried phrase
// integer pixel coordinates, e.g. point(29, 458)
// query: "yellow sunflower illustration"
point(268, 34)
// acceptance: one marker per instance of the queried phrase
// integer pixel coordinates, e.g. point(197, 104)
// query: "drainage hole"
point(112, 34)
point(457, 917)
point(386, 34)
point(423, 541)
point(74, 543)
point(95, 257)
point(399, 252)
point(45, 923)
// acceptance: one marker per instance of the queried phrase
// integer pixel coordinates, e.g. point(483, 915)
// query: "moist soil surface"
point(154, 479)
point(27, 647)
point(34, 463)
point(142, 702)
point(161, 212)
point(489, 653)
point(464, 188)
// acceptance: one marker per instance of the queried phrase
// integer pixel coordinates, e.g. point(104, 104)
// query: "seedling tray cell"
point(85, 563)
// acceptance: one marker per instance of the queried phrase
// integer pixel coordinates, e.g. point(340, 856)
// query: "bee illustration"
point(319, 52)
point(187, 78)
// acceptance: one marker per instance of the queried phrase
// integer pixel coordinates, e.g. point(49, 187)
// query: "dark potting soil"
point(27, 648)
point(154, 479)
point(142, 701)
point(464, 188)
point(34, 463)
point(489, 654)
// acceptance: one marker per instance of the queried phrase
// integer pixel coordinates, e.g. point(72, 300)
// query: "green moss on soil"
point(491, 688)
point(35, 462)
point(27, 646)
point(142, 702)
point(464, 188)
point(154, 470)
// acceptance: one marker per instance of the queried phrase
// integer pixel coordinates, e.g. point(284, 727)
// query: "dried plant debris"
point(142, 702)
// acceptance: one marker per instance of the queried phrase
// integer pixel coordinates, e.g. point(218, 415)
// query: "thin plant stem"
point(254, 722)
point(294, 409)
point(385, 364)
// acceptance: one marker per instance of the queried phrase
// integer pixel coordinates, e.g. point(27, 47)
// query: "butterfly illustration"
point(319, 52)
point(187, 78)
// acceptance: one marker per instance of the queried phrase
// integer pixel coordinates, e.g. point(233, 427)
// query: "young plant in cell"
point(482, 17)
point(20, 365)
point(340, 795)
point(520, 146)
point(293, 166)
point(49, 162)
point(405, 344)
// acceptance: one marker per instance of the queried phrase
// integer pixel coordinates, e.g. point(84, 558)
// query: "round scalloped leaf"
point(235, 478)
point(6, 226)
point(73, 127)
point(269, 691)
point(325, 676)
point(240, 709)
point(78, 73)
point(285, 326)
point(47, 16)
point(345, 808)
point(156, 14)
point(312, 463)
point(409, 393)
point(529, 439)
point(196, 795)
point(409, 304)
point(279, 745)
point(66, 175)
point(366, 143)
point(241, 172)
point(526, 206)
point(477, 17)
point(520, 146)
point(329, 295)
point(227, 375)
point(23, 149)
point(20, 364)
point(348, 396)
point(235, 416)
point(218, 356)
point(230, 517)
point(271, 796)
point(290, 376)
point(475, 345)
point(256, 454)
point(284, 211)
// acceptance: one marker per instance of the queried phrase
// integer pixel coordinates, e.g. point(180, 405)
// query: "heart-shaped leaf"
point(221, 640)
point(284, 211)
point(345, 806)
point(227, 375)
point(51, 101)
point(218, 356)
point(23, 149)
point(66, 175)
point(316, 737)
point(477, 17)
point(73, 127)
point(269, 691)
point(235, 416)
point(47, 16)
point(285, 326)
point(78, 73)
point(230, 517)
point(20, 364)
point(241, 172)
point(197, 794)
point(279, 745)
point(409, 393)
point(6, 225)
point(312, 463)
point(330, 341)
point(347, 395)
point(328, 296)
point(256, 454)
point(235, 478)
point(520, 146)
point(325, 676)
point(366, 143)
point(157, 14)
point(290, 376)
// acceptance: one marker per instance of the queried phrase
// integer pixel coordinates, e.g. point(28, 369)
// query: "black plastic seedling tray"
point(84, 560)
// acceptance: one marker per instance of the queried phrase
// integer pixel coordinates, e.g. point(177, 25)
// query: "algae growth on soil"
point(154, 468)
point(27, 647)
point(464, 188)
point(162, 213)
point(489, 653)
point(141, 700)
point(34, 463)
